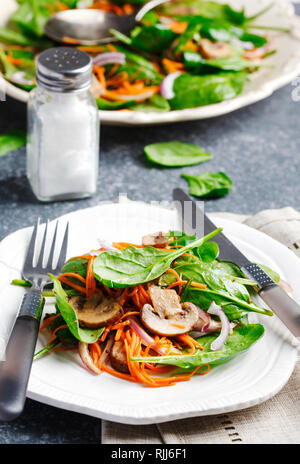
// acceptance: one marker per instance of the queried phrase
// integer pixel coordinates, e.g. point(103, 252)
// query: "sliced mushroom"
point(158, 239)
point(118, 358)
point(165, 302)
point(211, 50)
point(97, 311)
point(178, 324)
point(167, 316)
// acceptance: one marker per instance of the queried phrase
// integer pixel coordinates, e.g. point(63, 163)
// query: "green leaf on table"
point(12, 141)
point(209, 184)
point(176, 154)
point(238, 341)
point(132, 266)
point(69, 315)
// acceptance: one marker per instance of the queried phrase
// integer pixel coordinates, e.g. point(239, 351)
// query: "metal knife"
point(277, 299)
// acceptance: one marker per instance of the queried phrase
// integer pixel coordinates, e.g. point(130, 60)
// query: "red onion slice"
point(203, 322)
point(218, 343)
point(103, 59)
point(147, 339)
point(19, 78)
point(166, 86)
point(83, 349)
point(106, 349)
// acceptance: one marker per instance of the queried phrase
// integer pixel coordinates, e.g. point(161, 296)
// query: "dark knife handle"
point(283, 306)
point(15, 369)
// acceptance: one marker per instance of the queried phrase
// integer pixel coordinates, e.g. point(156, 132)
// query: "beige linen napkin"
point(274, 421)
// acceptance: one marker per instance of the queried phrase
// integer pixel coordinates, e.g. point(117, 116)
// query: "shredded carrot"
point(172, 271)
point(95, 352)
point(178, 27)
point(14, 61)
point(48, 321)
point(72, 274)
point(90, 278)
point(111, 47)
point(172, 66)
point(121, 245)
point(72, 284)
point(198, 285)
point(69, 40)
point(187, 341)
point(118, 374)
point(100, 72)
point(55, 331)
point(90, 49)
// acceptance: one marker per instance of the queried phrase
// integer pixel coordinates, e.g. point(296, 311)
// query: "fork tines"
point(49, 267)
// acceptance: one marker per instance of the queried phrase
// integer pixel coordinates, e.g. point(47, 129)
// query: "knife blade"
point(278, 301)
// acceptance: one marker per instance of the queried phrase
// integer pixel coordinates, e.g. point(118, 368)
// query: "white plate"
point(283, 67)
point(60, 380)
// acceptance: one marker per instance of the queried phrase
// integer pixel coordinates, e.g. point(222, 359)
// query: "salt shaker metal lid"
point(64, 69)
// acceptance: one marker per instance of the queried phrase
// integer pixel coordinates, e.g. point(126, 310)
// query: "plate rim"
point(85, 405)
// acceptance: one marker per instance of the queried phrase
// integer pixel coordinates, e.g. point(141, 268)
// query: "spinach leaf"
point(12, 141)
point(176, 154)
point(191, 91)
point(240, 340)
point(155, 103)
point(11, 36)
point(220, 31)
point(152, 39)
point(208, 252)
point(70, 317)
point(191, 30)
point(112, 105)
point(209, 184)
point(26, 66)
point(211, 10)
point(227, 290)
point(204, 297)
point(32, 15)
point(195, 62)
point(133, 266)
point(77, 265)
point(181, 238)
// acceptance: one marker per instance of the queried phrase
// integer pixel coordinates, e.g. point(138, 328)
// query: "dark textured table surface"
point(257, 146)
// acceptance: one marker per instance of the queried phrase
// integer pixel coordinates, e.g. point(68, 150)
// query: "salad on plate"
point(183, 54)
point(154, 313)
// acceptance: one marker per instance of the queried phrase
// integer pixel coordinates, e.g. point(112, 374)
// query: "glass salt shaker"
point(63, 127)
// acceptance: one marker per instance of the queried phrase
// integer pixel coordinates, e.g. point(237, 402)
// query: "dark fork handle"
point(15, 369)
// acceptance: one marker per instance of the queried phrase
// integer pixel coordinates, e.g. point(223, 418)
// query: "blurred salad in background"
point(183, 54)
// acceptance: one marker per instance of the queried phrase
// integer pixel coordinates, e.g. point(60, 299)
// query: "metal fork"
point(15, 369)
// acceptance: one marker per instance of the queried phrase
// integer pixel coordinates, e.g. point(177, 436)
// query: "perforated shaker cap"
point(64, 69)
